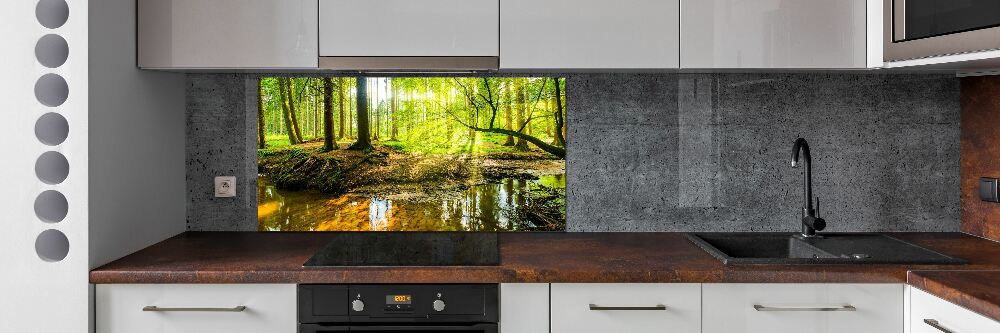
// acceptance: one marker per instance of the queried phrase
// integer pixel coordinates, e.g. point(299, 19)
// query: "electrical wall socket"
point(225, 187)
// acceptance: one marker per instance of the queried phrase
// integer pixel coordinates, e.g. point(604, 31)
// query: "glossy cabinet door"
point(223, 34)
point(930, 314)
point(190, 308)
point(524, 307)
point(803, 308)
point(775, 34)
point(628, 307)
point(589, 34)
point(409, 28)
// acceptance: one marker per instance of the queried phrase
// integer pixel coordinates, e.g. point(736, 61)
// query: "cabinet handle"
point(595, 307)
point(154, 308)
point(935, 324)
point(759, 307)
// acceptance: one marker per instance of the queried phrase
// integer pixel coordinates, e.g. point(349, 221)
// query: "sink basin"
point(787, 248)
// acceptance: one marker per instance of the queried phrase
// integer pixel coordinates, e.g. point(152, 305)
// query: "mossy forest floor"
point(389, 172)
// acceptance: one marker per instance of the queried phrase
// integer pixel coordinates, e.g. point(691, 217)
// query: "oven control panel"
point(363, 303)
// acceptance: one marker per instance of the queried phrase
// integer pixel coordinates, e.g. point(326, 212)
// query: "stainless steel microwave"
point(916, 29)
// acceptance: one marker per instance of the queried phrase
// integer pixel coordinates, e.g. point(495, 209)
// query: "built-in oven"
point(400, 308)
point(916, 29)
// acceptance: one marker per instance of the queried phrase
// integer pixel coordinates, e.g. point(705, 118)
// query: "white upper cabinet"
point(409, 28)
point(589, 34)
point(194, 34)
point(780, 34)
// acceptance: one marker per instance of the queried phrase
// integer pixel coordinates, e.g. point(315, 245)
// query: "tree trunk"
point(284, 101)
point(508, 112)
point(394, 119)
point(261, 137)
point(328, 142)
point(555, 151)
point(316, 109)
point(374, 110)
point(341, 86)
point(290, 90)
point(521, 145)
point(559, 120)
point(364, 140)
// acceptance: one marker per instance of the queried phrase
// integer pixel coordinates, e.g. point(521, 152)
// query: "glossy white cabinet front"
point(223, 34)
point(270, 308)
point(642, 308)
point(524, 307)
point(927, 310)
point(794, 308)
point(589, 34)
point(774, 34)
point(409, 28)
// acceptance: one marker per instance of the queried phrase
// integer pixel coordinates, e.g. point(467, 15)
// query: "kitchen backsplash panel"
point(683, 152)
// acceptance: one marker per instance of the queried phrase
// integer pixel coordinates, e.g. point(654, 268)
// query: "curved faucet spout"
point(807, 189)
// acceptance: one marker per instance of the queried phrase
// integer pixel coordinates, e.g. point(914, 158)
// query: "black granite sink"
point(834, 248)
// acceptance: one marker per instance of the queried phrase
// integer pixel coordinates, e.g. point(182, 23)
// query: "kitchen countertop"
point(259, 257)
point(978, 291)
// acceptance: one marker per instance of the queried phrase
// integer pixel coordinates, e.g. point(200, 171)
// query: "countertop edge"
point(941, 284)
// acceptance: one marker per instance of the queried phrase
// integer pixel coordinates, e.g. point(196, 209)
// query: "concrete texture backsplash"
point(684, 152)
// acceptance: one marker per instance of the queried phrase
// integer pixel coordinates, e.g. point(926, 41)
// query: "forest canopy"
point(419, 144)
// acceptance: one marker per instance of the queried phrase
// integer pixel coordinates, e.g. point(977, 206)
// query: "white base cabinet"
point(196, 308)
point(803, 308)
point(634, 308)
point(524, 307)
point(930, 314)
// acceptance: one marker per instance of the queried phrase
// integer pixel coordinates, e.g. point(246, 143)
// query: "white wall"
point(137, 186)
point(126, 128)
point(39, 295)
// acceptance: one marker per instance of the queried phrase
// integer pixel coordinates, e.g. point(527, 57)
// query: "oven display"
point(398, 299)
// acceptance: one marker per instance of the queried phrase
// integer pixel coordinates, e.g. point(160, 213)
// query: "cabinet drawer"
point(946, 315)
point(802, 308)
point(269, 308)
point(634, 308)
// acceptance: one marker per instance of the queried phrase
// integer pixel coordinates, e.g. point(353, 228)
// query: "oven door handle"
point(484, 328)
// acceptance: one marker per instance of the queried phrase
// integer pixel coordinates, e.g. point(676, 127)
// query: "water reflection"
point(499, 206)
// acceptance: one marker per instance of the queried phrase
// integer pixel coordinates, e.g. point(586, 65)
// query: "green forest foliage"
point(431, 115)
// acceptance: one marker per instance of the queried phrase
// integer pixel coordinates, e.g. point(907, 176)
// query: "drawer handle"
point(935, 324)
point(154, 308)
point(759, 307)
point(595, 307)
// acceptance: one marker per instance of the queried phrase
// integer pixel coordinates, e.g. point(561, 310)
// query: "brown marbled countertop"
point(978, 291)
point(257, 257)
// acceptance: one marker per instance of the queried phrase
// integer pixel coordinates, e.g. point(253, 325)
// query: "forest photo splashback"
point(411, 154)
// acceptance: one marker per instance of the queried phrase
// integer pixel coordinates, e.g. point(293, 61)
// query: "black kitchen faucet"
point(811, 222)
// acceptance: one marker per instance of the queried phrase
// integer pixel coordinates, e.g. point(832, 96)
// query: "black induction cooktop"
point(408, 249)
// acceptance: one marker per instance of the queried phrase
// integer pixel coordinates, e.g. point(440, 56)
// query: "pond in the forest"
point(507, 205)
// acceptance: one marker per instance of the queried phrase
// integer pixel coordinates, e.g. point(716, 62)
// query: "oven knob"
point(358, 305)
point(438, 305)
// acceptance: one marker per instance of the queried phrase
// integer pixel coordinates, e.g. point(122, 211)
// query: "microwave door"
point(915, 29)
point(917, 19)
